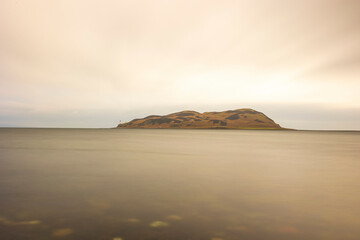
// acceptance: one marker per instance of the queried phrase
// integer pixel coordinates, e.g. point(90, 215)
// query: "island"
point(244, 118)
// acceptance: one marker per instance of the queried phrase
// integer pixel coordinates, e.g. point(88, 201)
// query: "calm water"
point(178, 184)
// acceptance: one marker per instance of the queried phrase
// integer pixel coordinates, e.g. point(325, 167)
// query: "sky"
point(86, 63)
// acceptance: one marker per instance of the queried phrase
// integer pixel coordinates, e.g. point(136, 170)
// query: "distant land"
point(245, 118)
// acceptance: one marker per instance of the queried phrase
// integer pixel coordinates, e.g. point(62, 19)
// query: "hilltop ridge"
point(244, 118)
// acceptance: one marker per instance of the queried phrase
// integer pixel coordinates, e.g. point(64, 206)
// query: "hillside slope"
point(233, 119)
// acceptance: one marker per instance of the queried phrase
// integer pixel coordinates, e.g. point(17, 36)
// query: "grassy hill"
point(232, 119)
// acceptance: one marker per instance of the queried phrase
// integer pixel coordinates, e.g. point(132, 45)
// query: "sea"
point(177, 184)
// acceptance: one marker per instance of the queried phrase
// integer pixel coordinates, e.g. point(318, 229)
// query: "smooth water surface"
point(132, 184)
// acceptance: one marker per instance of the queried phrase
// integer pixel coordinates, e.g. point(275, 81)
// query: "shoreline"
point(244, 129)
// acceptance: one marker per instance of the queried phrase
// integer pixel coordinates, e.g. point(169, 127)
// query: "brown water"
point(134, 184)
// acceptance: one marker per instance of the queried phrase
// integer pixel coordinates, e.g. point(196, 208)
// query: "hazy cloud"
point(107, 59)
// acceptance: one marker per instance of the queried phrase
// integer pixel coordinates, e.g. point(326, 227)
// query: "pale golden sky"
point(91, 63)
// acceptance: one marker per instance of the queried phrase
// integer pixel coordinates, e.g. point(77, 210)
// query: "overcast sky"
point(83, 63)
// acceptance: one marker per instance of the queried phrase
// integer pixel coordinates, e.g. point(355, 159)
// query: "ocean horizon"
point(170, 184)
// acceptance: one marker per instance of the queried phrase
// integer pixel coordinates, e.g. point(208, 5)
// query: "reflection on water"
point(178, 184)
